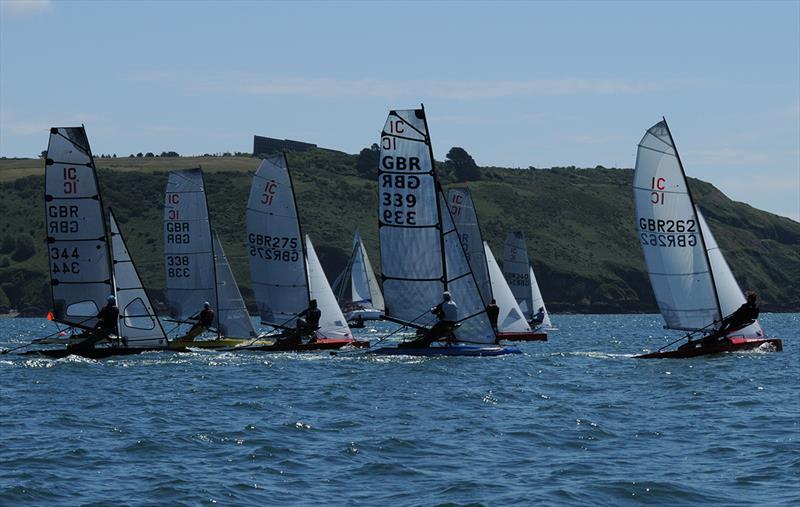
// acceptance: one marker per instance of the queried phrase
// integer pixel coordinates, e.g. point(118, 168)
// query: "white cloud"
point(24, 8)
point(251, 84)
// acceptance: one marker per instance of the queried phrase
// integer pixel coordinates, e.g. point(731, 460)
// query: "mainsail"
point(730, 294)
point(357, 283)
point(421, 254)
point(466, 219)
point(668, 227)
point(188, 252)
point(518, 272)
point(510, 319)
point(233, 319)
point(275, 245)
point(138, 324)
point(332, 323)
point(77, 244)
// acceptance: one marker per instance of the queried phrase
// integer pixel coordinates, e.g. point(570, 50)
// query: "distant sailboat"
point(518, 273)
point(284, 269)
point(694, 287)
point(196, 268)
point(356, 287)
point(511, 323)
point(421, 254)
point(81, 256)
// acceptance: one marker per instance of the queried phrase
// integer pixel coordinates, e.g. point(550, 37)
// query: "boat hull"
point(216, 344)
point(319, 344)
point(450, 350)
point(533, 336)
point(697, 348)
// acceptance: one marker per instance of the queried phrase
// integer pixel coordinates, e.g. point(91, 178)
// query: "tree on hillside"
point(367, 164)
point(149, 154)
point(139, 155)
point(463, 164)
point(169, 154)
point(25, 249)
point(43, 154)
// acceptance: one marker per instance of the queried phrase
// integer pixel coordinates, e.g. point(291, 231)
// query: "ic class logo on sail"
point(269, 192)
point(456, 203)
point(398, 207)
point(178, 232)
point(658, 185)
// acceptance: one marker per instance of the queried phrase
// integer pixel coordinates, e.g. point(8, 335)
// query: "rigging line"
point(406, 122)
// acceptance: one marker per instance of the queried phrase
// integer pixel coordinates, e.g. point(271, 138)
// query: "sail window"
point(137, 316)
point(82, 309)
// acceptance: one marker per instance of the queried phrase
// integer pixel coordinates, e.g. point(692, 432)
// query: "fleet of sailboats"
point(438, 275)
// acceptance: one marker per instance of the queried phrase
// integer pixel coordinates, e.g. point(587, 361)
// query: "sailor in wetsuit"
point(493, 312)
point(307, 323)
point(538, 318)
point(742, 317)
point(447, 315)
point(107, 318)
point(204, 318)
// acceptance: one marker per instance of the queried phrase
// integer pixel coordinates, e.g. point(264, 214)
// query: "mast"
point(299, 225)
point(213, 253)
point(694, 212)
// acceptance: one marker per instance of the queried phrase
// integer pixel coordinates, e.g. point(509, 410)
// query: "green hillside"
point(579, 224)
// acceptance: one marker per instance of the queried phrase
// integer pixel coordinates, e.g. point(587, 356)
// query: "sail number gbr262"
point(668, 233)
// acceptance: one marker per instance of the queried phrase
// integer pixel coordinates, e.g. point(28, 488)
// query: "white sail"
point(357, 283)
point(275, 245)
point(730, 294)
point(421, 254)
point(232, 316)
point(77, 245)
point(332, 323)
point(188, 252)
point(516, 270)
point(466, 220)
point(669, 233)
point(510, 318)
point(538, 301)
point(138, 324)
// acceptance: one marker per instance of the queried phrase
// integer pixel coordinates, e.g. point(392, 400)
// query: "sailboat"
point(196, 268)
point(85, 267)
point(511, 323)
point(356, 287)
point(421, 253)
point(284, 269)
point(693, 285)
point(518, 272)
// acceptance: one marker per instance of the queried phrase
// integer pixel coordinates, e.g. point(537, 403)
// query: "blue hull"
point(451, 350)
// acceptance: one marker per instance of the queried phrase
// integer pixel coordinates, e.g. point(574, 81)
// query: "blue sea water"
point(573, 421)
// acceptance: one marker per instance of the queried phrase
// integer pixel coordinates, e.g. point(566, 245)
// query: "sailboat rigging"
point(518, 272)
point(356, 287)
point(693, 285)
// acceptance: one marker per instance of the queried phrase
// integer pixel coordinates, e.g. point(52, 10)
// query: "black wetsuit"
point(493, 312)
point(744, 316)
point(107, 319)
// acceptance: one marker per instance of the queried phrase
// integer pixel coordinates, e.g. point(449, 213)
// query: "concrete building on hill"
point(268, 145)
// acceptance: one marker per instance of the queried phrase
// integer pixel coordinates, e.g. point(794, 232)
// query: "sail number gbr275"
point(668, 233)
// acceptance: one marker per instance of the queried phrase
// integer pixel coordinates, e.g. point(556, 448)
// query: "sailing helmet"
point(111, 299)
point(752, 296)
point(446, 296)
point(206, 305)
point(312, 302)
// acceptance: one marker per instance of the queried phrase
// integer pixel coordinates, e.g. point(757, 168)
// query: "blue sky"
point(515, 84)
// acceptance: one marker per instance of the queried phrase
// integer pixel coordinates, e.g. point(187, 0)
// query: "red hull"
point(523, 337)
point(697, 348)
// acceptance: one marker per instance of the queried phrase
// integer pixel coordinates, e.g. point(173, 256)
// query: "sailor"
point(204, 318)
point(744, 316)
point(107, 317)
point(447, 317)
point(493, 312)
point(307, 323)
point(538, 318)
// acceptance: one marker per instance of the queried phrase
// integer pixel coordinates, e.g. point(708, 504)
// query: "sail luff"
point(217, 316)
point(233, 319)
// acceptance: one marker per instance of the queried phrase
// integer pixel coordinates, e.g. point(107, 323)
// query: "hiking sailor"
point(538, 318)
point(493, 312)
point(204, 318)
point(447, 317)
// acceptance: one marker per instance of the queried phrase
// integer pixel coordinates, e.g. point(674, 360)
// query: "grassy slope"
point(579, 225)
